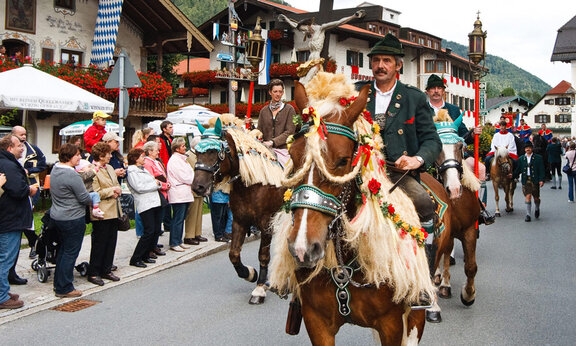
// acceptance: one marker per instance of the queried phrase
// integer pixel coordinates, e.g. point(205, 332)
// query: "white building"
point(565, 52)
point(63, 32)
point(555, 109)
point(349, 45)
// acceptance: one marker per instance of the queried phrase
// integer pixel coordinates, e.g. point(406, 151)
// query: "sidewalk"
point(39, 296)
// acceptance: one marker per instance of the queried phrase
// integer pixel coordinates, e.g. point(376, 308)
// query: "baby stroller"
point(47, 247)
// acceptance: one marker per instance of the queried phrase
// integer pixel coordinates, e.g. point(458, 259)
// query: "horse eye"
point(342, 162)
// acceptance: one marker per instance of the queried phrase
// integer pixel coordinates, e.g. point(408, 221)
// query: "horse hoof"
point(256, 300)
point(445, 292)
point(465, 302)
point(497, 214)
point(433, 316)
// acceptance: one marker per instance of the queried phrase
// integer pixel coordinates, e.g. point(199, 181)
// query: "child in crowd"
point(87, 171)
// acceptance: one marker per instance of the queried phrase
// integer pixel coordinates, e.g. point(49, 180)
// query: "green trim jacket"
point(536, 168)
point(409, 128)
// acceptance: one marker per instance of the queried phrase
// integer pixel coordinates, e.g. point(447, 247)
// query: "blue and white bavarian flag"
point(109, 12)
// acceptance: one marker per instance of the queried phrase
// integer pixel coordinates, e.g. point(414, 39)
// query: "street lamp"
point(255, 54)
point(476, 54)
point(256, 46)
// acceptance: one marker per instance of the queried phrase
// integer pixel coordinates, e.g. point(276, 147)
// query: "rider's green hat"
point(389, 45)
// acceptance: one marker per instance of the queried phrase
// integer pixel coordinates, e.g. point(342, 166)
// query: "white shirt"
point(436, 109)
point(501, 140)
point(383, 99)
point(528, 159)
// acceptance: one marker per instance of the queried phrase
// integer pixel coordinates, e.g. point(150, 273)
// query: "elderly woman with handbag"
point(105, 229)
point(144, 188)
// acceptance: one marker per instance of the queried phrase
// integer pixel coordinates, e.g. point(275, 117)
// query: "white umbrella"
point(179, 129)
point(189, 115)
point(28, 88)
point(80, 127)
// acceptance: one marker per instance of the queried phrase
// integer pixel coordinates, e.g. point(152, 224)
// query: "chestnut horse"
point(460, 184)
point(501, 171)
point(347, 250)
point(254, 198)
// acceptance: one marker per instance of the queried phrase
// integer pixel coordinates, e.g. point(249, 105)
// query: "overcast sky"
point(522, 32)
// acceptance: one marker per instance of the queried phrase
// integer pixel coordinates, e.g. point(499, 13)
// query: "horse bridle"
point(311, 197)
point(215, 168)
point(446, 165)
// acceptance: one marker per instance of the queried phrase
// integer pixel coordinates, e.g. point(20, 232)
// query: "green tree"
point(508, 92)
point(7, 118)
point(167, 72)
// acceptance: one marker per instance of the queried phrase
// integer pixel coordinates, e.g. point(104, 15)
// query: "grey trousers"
point(425, 207)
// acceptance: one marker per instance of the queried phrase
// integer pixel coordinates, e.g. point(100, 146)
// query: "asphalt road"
point(525, 282)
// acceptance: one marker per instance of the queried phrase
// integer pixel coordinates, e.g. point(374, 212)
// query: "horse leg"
point(393, 329)
point(259, 293)
point(238, 235)
point(319, 329)
point(508, 198)
point(445, 290)
point(496, 196)
point(468, 294)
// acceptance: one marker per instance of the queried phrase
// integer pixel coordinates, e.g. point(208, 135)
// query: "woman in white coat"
point(180, 177)
point(144, 188)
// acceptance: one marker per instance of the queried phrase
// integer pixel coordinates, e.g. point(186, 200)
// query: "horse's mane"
point(385, 253)
point(501, 152)
point(257, 164)
point(442, 116)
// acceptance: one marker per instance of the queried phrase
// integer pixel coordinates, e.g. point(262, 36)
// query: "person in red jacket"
point(95, 132)
point(166, 136)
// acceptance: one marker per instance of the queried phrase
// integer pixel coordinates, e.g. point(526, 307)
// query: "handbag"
point(567, 169)
point(123, 220)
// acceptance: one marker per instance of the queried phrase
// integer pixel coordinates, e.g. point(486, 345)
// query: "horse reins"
point(215, 168)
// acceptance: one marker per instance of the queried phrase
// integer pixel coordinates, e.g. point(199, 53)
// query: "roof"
point(197, 64)
point(565, 46)
point(161, 22)
point(562, 88)
point(496, 102)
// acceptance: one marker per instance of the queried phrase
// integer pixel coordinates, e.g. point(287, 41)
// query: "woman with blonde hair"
point(140, 137)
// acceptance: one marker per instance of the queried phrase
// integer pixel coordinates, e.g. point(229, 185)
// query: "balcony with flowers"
point(149, 99)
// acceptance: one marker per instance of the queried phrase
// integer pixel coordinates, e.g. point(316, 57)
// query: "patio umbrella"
point(179, 129)
point(80, 127)
point(28, 88)
point(189, 115)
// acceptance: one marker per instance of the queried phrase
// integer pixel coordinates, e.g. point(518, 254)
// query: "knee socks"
point(536, 204)
point(528, 208)
point(554, 180)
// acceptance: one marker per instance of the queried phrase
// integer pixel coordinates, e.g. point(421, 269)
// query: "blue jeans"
point(71, 234)
point(177, 227)
point(139, 227)
point(219, 214)
point(9, 248)
point(571, 185)
point(229, 222)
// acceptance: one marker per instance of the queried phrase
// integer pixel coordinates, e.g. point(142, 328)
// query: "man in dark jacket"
point(554, 151)
point(408, 131)
point(531, 166)
point(15, 214)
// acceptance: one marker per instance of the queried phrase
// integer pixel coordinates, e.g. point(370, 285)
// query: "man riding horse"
point(503, 138)
point(409, 134)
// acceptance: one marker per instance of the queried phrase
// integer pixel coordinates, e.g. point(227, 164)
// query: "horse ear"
point(352, 112)
point(218, 127)
point(200, 127)
point(300, 97)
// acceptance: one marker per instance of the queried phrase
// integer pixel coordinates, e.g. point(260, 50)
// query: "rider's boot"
point(425, 301)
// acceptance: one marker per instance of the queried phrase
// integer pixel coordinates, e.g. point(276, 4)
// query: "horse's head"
point(212, 159)
point(502, 160)
point(322, 173)
point(449, 167)
point(449, 162)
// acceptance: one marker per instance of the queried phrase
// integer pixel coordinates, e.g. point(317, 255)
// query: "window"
point(542, 118)
point(435, 66)
point(421, 40)
point(549, 102)
point(354, 58)
point(56, 139)
point(70, 57)
point(467, 104)
point(562, 101)
point(47, 54)
point(224, 96)
point(303, 55)
point(563, 118)
point(461, 102)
